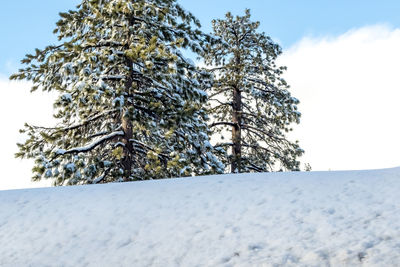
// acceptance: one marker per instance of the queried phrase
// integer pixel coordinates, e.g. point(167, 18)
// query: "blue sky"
point(290, 20)
point(343, 60)
point(26, 24)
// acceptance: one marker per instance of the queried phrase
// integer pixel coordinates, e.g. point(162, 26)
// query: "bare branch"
point(246, 126)
point(220, 92)
point(223, 144)
point(221, 103)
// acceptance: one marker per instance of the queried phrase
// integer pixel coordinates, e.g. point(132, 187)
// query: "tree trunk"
point(237, 120)
point(236, 131)
point(127, 161)
point(126, 123)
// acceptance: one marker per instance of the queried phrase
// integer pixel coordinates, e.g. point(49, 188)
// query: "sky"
point(342, 58)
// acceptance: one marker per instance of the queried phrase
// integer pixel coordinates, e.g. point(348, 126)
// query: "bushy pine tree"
point(130, 104)
point(250, 99)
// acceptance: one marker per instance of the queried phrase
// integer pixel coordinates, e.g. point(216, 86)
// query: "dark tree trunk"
point(127, 160)
point(236, 131)
point(237, 120)
point(126, 123)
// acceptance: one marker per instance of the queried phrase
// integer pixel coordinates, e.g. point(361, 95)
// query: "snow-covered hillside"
point(277, 219)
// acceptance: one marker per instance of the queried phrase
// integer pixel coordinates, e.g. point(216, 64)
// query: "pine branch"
point(220, 91)
point(112, 77)
point(244, 35)
point(101, 177)
point(87, 121)
point(259, 81)
point(264, 90)
point(221, 103)
point(257, 147)
point(255, 168)
point(102, 44)
point(92, 145)
point(223, 144)
point(247, 127)
point(143, 145)
point(223, 123)
point(217, 68)
point(97, 134)
point(76, 126)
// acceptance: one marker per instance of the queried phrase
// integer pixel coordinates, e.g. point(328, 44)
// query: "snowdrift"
point(347, 218)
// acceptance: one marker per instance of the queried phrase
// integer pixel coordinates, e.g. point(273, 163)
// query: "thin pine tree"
point(250, 103)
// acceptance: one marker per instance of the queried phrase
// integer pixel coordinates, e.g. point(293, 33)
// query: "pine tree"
point(130, 105)
point(250, 99)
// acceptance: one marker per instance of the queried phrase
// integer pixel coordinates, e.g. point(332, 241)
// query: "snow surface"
point(347, 218)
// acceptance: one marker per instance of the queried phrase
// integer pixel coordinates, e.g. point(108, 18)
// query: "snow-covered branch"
point(92, 145)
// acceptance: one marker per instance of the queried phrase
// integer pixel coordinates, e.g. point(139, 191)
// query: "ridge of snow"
point(347, 218)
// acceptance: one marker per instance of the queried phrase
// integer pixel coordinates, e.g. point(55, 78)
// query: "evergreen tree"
point(130, 104)
point(250, 98)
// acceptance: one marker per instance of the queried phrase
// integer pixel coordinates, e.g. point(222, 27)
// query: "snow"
point(70, 167)
point(98, 179)
point(189, 61)
point(60, 151)
point(347, 218)
point(67, 97)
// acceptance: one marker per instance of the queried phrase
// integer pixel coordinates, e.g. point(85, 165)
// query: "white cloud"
point(349, 88)
point(18, 106)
